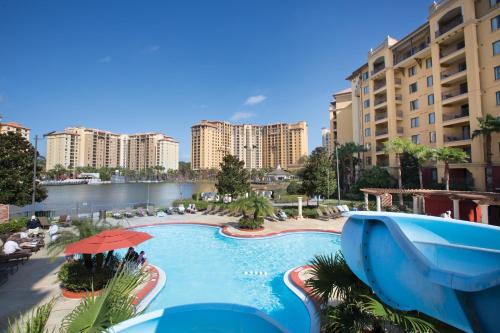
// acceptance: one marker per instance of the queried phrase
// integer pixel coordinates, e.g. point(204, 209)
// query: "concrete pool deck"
point(36, 281)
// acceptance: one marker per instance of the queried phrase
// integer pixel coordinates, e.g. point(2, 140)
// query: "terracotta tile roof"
point(13, 124)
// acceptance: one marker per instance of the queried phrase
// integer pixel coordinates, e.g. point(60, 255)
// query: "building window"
point(496, 47)
point(430, 81)
point(493, 3)
point(428, 63)
point(368, 146)
point(369, 160)
point(497, 72)
point(415, 139)
point(367, 118)
point(430, 99)
point(495, 23)
point(432, 137)
point(412, 70)
point(434, 175)
point(366, 90)
point(415, 122)
point(366, 103)
point(432, 118)
point(413, 87)
point(414, 104)
point(364, 76)
point(498, 97)
point(367, 131)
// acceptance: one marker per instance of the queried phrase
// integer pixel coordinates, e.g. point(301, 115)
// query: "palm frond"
point(33, 322)
point(408, 322)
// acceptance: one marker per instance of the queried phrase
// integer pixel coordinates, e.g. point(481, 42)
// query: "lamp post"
point(35, 160)
point(338, 175)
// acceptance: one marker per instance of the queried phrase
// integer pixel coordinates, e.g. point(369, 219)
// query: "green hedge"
point(250, 223)
point(74, 276)
point(13, 225)
point(308, 212)
point(289, 198)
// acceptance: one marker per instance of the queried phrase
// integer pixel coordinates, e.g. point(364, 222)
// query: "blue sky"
point(136, 66)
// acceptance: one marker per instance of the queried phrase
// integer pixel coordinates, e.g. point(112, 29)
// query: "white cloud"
point(242, 115)
point(253, 100)
point(151, 48)
point(105, 60)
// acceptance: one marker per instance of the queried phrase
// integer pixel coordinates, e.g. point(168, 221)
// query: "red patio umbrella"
point(106, 241)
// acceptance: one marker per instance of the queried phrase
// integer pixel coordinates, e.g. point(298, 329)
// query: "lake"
point(73, 199)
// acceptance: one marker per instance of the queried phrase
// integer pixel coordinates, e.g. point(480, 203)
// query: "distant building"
point(326, 138)
point(15, 128)
point(258, 146)
point(80, 147)
point(342, 129)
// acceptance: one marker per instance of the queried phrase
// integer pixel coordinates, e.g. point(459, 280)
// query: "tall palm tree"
point(487, 126)
point(423, 154)
point(449, 155)
point(398, 146)
point(358, 309)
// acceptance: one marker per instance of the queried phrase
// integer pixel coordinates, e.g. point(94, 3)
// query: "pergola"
point(483, 199)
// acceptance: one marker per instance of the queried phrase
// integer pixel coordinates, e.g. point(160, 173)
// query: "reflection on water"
point(87, 198)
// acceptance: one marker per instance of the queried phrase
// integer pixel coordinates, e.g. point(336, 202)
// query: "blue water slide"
point(447, 269)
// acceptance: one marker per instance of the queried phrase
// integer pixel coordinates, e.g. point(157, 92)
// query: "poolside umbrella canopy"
point(106, 241)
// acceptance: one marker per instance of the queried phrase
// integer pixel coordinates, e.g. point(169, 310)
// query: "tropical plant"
point(16, 171)
point(373, 178)
point(82, 229)
point(96, 313)
point(233, 178)
point(349, 157)
point(34, 321)
point(253, 209)
point(358, 310)
point(398, 146)
point(449, 155)
point(422, 154)
point(74, 276)
point(293, 188)
point(319, 176)
point(487, 126)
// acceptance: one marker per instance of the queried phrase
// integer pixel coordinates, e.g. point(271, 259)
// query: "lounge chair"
point(277, 218)
point(270, 218)
point(117, 215)
point(128, 213)
point(322, 216)
point(16, 256)
point(62, 218)
point(208, 210)
point(44, 222)
point(333, 212)
point(216, 210)
point(139, 212)
point(224, 212)
point(150, 211)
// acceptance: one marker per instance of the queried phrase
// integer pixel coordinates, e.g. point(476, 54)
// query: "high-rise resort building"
point(258, 146)
point(80, 146)
point(15, 128)
point(326, 138)
point(430, 86)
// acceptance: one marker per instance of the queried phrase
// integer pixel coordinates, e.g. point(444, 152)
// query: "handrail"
point(447, 117)
point(381, 116)
point(447, 74)
point(450, 25)
point(450, 50)
point(380, 100)
point(381, 132)
point(449, 138)
point(453, 93)
point(411, 52)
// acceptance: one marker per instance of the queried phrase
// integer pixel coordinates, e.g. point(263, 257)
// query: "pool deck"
point(36, 281)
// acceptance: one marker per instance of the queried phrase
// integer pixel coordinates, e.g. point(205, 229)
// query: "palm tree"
point(33, 322)
point(449, 155)
point(82, 229)
point(358, 308)
point(423, 154)
point(258, 206)
point(114, 305)
point(398, 146)
point(487, 126)
point(347, 155)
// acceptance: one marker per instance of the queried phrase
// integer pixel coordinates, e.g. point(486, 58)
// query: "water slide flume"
point(447, 269)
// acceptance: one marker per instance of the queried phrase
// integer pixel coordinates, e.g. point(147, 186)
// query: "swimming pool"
point(205, 266)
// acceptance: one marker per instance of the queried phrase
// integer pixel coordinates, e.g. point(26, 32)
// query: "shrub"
point(310, 213)
point(292, 198)
point(293, 188)
point(74, 276)
point(14, 225)
point(291, 212)
point(250, 223)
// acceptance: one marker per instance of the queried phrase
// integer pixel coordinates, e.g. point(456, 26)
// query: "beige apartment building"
point(15, 128)
point(341, 112)
point(431, 86)
point(256, 145)
point(81, 146)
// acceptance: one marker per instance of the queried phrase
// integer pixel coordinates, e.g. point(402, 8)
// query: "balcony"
point(456, 118)
point(410, 53)
point(450, 25)
point(378, 86)
point(379, 150)
point(454, 76)
point(377, 69)
point(401, 130)
point(380, 116)
point(397, 83)
point(380, 101)
point(454, 96)
point(457, 140)
point(399, 99)
point(453, 53)
point(381, 132)
point(399, 115)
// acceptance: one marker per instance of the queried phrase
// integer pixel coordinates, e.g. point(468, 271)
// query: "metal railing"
point(447, 117)
point(449, 26)
point(399, 97)
point(397, 81)
point(450, 50)
point(453, 138)
point(379, 101)
point(382, 132)
point(454, 93)
point(411, 52)
point(377, 69)
point(399, 114)
point(379, 85)
point(450, 73)
point(380, 116)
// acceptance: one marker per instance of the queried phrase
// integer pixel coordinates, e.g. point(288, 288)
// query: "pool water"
point(204, 266)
